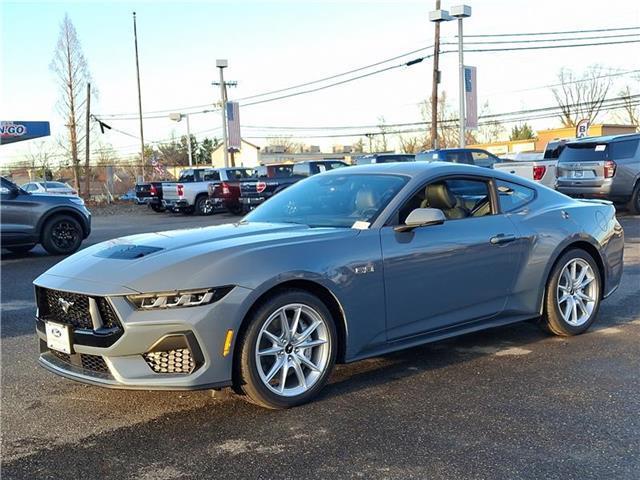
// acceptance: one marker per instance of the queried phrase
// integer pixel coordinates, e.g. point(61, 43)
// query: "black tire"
point(21, 248)
point(248, 379)
point(203, 206)
point(634, 201)
point(157, 208)
point(236, 209)
point(553, 320)
point(62, 235)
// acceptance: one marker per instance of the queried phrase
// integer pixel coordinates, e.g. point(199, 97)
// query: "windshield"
point(330, 200)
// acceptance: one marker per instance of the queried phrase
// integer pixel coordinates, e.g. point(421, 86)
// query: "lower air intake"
point(171, 361)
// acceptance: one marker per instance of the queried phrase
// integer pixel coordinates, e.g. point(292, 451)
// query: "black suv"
point(58, 222)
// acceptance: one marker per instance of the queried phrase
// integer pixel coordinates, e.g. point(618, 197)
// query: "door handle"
point(502, 238)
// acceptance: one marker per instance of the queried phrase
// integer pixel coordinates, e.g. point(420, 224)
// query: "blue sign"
point(15, 131)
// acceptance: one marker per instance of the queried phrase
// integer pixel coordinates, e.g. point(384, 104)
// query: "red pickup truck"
point(225, 193)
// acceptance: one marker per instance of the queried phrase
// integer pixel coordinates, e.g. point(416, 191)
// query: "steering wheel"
point(368, 213)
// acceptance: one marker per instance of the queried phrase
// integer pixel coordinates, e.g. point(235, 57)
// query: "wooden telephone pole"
point(434, 86)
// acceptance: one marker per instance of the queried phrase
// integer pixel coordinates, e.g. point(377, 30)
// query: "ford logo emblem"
point(56, 332)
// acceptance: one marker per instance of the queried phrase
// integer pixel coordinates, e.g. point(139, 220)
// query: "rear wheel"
point(236, 209)
point(21, 248)
point(204, 206)
point(572, 297)
point(157, 208)
point(62, 235)
point(634, 202)
point(288, 351)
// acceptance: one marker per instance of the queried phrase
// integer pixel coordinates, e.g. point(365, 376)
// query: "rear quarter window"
point(513, 196)
point(622, 150)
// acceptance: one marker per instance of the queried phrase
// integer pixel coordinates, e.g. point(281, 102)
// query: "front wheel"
point(288, 351)
point(62, 235)
point(573, 293)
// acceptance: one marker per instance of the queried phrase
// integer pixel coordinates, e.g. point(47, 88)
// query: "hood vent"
point(127, 252)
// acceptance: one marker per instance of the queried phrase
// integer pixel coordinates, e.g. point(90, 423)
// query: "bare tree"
point(581, 97)
point(381, 144)
point(289, 145)
point(72, 74)
point(448, 133)
point(630, 108)
point(39, 155)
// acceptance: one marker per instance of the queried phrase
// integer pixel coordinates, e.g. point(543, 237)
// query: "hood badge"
point(65, 305)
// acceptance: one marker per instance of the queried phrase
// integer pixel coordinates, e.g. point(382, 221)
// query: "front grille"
point(51, 303)
point(94, 363)
point(171, 361)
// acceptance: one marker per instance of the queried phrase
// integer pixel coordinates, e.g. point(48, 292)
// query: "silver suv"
point(602, 167)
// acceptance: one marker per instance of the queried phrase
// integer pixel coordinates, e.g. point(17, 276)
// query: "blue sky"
point(275, 44)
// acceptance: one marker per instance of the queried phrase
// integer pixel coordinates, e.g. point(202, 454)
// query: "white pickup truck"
point(190, 193)
point(540, 167)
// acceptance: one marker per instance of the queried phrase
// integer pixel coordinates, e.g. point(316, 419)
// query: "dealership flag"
point(471, 97)
point(233, 122)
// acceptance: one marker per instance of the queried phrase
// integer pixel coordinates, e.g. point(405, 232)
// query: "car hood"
point(176, 259)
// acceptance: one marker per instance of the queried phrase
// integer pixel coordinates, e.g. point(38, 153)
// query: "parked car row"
point(237, 190)
point(600, 167)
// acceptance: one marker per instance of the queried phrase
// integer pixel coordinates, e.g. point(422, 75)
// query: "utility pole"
point(222, 64)
point(135, 39)
point(461, 12)
point(435, 81)
point(87, 172)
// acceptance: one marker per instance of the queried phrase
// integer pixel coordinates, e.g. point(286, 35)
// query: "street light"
point(436, 16)
point(222, 64)
point(461, 12)
point(176, 117)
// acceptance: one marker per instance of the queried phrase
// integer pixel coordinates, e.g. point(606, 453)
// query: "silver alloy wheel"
point(292, 351)
point(206, 207)
point(577, 292)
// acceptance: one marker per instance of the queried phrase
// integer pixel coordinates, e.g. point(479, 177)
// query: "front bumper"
point(124, 363)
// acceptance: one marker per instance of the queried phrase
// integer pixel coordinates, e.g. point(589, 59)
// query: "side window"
point(512, 196)
point(622, 150)
point(29, 187)
point(457, 157)
point(458, 198)
point(334, 165)
point(187, 176)
point(210, 175)
point(301, 169)
point(483, 159)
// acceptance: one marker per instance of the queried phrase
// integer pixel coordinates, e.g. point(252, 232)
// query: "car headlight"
point(178, 299)
point(77, 200)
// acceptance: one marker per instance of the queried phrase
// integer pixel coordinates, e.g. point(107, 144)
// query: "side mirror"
point(422, 217)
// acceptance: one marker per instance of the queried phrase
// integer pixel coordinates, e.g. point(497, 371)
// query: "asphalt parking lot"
point(507, 403)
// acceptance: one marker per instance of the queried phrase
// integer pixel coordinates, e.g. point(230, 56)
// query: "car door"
point(17, 213)
point(461, 271)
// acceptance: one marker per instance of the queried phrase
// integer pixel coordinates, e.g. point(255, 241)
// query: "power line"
point(524, 34)
point(546, 40)
point(543, 47)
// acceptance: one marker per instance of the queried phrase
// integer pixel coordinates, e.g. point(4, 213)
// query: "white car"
point(52, 188)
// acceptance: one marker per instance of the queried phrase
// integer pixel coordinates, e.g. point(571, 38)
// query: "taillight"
point(180, 190)
point(260, 187)
point(153, 190)
point(225, 189)
point(539, 171)
point(609, 168)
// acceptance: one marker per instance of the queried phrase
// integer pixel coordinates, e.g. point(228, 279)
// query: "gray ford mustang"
point(342, 266)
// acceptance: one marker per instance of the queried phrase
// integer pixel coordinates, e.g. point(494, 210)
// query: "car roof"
point(606, 138)
point(414, 169)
